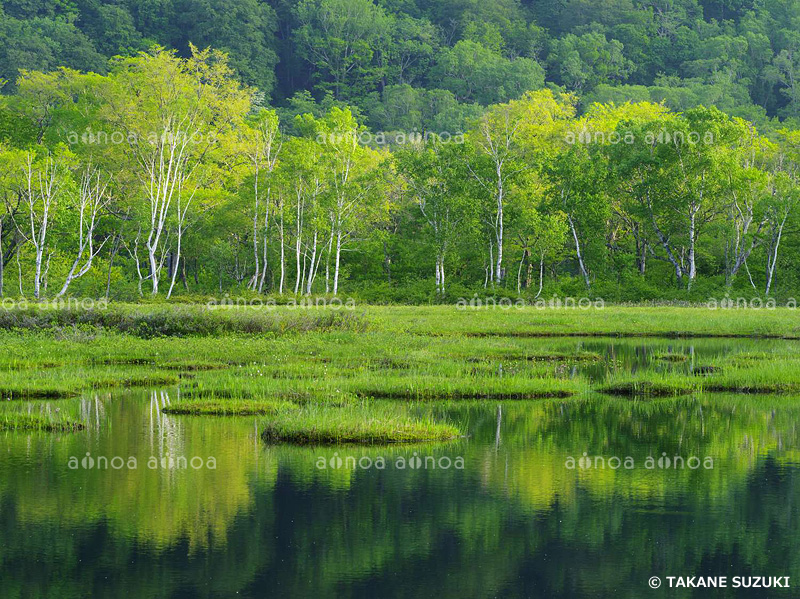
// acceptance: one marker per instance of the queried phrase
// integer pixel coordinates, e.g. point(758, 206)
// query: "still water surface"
point(515, 520)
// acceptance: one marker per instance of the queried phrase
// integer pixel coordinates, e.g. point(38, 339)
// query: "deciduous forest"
point(399, 151)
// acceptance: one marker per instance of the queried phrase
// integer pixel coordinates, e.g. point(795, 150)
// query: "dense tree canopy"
point(399, 149)
point(741, 56)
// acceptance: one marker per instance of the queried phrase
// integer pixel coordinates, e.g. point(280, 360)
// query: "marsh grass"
point(20, 421)
point(436, 388)
point(292, 371)
point(537, 357)
point(191, 366)
point(65, 382)
point(760, 375)
point(256, 383)
point(671, 357)
point(365, 423)
point(229, 407)
point(646, 388)
point(179, 320)
point(611, 321)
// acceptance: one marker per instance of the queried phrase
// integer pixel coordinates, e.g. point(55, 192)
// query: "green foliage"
point(475, 73)
point(737, 55)
point(170, 176)
point(340, 39)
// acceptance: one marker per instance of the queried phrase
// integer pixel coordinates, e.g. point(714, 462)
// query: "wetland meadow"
point(177, 451)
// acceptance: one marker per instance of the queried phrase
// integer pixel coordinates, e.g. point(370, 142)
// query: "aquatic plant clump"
point(359, 425)
point(18, 421)
point(645, 389)
point(229, 407)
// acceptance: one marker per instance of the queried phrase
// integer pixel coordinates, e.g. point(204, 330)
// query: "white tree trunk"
point(328, 261)
point(283, 256)
point(692, 244)
point(264, 249)
point(541, 275)
point(578, 253)
point(336, 267)
point(44, 190)
point(772, 255)
point(257, 274)
point(92, 198)
point(312, 268)
point(298, 243)
point(499, 273)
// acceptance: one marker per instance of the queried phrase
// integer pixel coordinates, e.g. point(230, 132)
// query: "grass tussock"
point(255, 382)
point(438, 388)
point(670, 357)
point(644, 389)
point(18, 421)
point(361, 424)
point(752, 387)
point(21, 392)
point(67, 382)
point(765, 375)
point(229, 407)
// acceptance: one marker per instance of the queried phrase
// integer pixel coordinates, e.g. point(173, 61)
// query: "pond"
point(583, 497)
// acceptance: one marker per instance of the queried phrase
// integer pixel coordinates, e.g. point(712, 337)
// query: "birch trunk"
point(298, 240)
point(499, 274)
point(328, 261)
point(338, 258)
point(772, 255)
point(182, 212)
point(257, 274)
point(92, 198)
point(692, 244)
point(441, 274)
point(541, 275)
point(283, 256)
point(312, 269)
point(578, 252)
point(44, 190)
point(264, 249)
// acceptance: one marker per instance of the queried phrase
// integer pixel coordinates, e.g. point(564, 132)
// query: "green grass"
point(175, 320)
point(70, 381)
point(611, 321)
point(436, 388)
point(229, 407)
point(670, 357)
point(362, 424)
point(181, 320)
point(257, 382)
point(764, 376)
point(646, 388)
point(758, 374)
point(19, 421)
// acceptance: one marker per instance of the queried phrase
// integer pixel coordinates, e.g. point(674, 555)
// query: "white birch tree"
point(172, 113)
point(93, 198)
